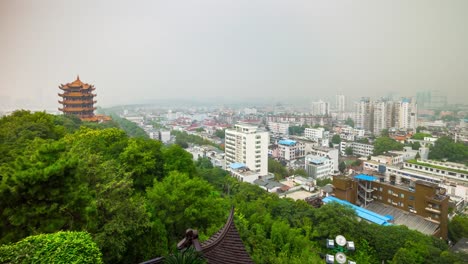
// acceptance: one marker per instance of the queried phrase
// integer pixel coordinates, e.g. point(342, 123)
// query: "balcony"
point(433, 210)
point(432, 220)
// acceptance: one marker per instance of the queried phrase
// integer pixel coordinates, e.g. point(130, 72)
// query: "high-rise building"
point(364, 117)
point(248, 145)
point(407, 114)
point(320, 108)
point(340, 103)
point(78, 99)
point(380, 116)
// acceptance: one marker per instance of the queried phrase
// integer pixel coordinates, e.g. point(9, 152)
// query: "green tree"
point(415, 145)
point(349, 151)
point(420, 136)
point(349, 122)
point(458, 228)
point(445, 148)
point(60, 247)
point(180, 202)
point(384, 144)
point(220, 133)
point(143, 160)
point(277, 169)
point(177, 159)
point(342, 167)
point(336, 139)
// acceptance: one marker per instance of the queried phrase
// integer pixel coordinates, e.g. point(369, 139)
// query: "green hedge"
point(60, 247)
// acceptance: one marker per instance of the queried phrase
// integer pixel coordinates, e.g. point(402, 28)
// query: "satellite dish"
point(340, 240)
point(340, 257)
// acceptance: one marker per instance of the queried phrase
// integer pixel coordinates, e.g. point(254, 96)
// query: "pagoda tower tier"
point(78, 99)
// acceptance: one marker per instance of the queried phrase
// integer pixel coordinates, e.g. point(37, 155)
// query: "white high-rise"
point(320, 108)
point(248, 145)
point(363, 118)
point(340, 103)
point(408, 114)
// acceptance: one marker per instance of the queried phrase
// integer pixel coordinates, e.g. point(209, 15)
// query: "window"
point(402, 195)
point(411, 198)
point(390, 191)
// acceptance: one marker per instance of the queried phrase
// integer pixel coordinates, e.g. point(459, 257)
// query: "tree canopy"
point(446, 148)
point(384, 144)
point(134, 198)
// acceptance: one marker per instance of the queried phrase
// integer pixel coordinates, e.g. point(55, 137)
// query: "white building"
point(291, 149)
point(164, 136)
point(248, 145)
point(340, 103)
point(363, 114)
point(330, 153)
point(278, 128)
point(318, 167)
point(360, 149)
point(408, 114)
point(320, 108)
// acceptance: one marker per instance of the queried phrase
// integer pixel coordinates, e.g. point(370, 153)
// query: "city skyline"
point(243, 51)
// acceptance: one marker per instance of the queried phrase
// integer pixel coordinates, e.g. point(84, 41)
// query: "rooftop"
point(287, 142)
point(366, 177)
point(400, 217)
point(237, 165)
point(361, 212)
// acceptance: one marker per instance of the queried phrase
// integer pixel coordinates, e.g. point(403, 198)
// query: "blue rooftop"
point(287, 142)
point(365, 177)
point(362, 212)
point(237, 165)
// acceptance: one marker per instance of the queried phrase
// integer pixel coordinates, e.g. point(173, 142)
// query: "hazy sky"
point(137, 51)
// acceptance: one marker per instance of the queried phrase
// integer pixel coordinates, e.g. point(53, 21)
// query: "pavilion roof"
point(224, 247)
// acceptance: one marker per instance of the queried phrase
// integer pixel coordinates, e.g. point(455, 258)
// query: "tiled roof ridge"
point(219, 236)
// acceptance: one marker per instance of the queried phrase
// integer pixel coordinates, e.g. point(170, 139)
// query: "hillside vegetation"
point(136, 197)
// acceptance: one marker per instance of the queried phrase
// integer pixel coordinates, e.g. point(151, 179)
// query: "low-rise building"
point(449, 170)
point(291, 149)
point(242, 173)
point(420, 198)
point(278, 128)
point(330, 153)
point(318, 167)
point(360, 149)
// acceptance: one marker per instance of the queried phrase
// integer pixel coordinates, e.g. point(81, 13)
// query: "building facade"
point(318, 167)
point(291, 149)
point(340, 103)
point(408, 114)
point(278, 128)
point(330, 153)
point(360, 149)
point(364, 118)
point(320, 108)
point(421, 198)
point(248, 145)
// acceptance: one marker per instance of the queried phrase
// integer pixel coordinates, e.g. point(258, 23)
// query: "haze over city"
point(139, 52)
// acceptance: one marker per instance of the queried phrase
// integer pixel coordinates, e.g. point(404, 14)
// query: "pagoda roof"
point(77, 84)
point(224, 247)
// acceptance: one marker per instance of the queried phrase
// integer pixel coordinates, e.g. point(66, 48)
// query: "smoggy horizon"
point(271, 50)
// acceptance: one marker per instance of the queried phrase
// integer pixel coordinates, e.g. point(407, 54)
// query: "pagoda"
point(78, 100)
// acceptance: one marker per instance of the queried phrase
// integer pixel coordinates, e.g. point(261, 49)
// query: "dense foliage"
point(132, 129)
point(420, 136)
point(297, 130)
point(183, 138)
point(60, 247)
point(384, 144)
point(136, 198)
point(446, 148)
